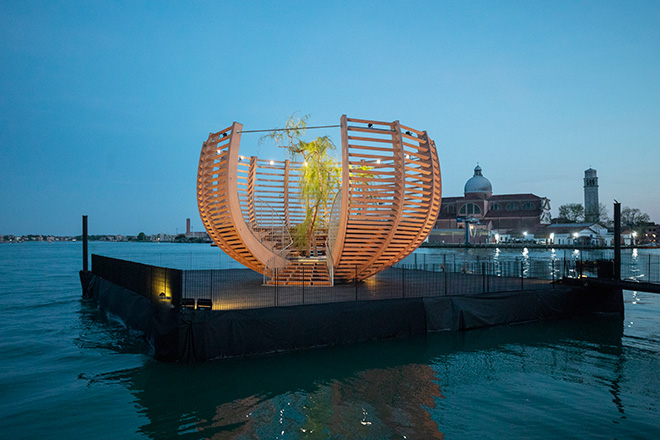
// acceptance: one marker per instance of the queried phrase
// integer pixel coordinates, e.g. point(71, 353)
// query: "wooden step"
point(308, 272)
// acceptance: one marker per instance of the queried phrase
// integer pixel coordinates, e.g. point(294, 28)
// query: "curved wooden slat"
point(389, 199)
point(393, 203)
point(219, 203)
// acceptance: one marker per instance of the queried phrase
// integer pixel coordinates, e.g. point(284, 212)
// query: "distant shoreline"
point(526, 245)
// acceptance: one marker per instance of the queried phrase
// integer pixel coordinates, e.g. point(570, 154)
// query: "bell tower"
point(591, 196)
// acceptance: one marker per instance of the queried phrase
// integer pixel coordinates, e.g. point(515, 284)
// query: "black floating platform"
point(189, 335)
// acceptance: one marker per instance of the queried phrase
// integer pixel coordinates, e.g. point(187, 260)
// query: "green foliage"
point(142, 236)
point(320, 176)
point(571, 212)
point(633, 217)
point(603, 216)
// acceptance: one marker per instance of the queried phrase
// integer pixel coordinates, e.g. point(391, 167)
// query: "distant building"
point(187, 227)
point(591, 206)
point(588, 233)
point(489, 218)
point(650, 233)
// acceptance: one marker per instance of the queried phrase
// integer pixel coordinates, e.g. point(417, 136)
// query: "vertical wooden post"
point(285, 193)
point(84, 240)
point(483, 277)
point(252, 171)
point(617, 240)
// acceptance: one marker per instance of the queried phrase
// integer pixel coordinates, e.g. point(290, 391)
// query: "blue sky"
point(104, 105)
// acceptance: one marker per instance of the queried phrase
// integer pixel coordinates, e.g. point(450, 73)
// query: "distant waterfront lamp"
point(378, 216)
point(552, 237)
point(576, 235)
point(497, 238)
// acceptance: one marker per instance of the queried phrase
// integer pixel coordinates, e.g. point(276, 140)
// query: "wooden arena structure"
point(388, 202)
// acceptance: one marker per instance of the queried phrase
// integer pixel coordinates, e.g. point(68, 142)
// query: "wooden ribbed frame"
point(388, 203)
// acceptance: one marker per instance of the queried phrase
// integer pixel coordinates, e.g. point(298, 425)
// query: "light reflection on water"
point(560, 379)
point(69, 372)
point(636, 264)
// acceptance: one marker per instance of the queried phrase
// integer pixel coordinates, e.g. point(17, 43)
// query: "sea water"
point(69, 371)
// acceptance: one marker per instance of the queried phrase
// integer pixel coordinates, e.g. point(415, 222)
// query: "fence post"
point(355, 282)
point(522, 264)
point(553, 274)
point(415, 261)
point(403, 281)
point(85, 257)
point(483, 277)
point(277, 299)
point(303, 282)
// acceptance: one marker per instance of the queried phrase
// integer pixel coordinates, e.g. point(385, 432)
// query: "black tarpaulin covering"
point(197, 335)
point(215, 334)
point(158, 322)
point(218, 334)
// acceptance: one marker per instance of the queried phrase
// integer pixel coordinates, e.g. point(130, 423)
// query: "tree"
point(633, 217)
point(603, 216)
point(571, 212)
point(142, 236)
point(319, 179)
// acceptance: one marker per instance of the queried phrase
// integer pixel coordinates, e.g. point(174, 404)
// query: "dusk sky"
point(104, 105)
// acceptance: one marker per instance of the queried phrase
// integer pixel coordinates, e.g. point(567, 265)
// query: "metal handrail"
point(329, 264)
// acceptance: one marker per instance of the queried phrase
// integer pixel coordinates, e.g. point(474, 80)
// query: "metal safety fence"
point(231, 289)
point(153, 282)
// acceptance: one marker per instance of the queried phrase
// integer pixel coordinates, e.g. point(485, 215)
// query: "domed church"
point(505, 216)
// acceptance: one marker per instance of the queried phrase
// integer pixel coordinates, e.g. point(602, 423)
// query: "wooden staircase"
point(304, 271)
